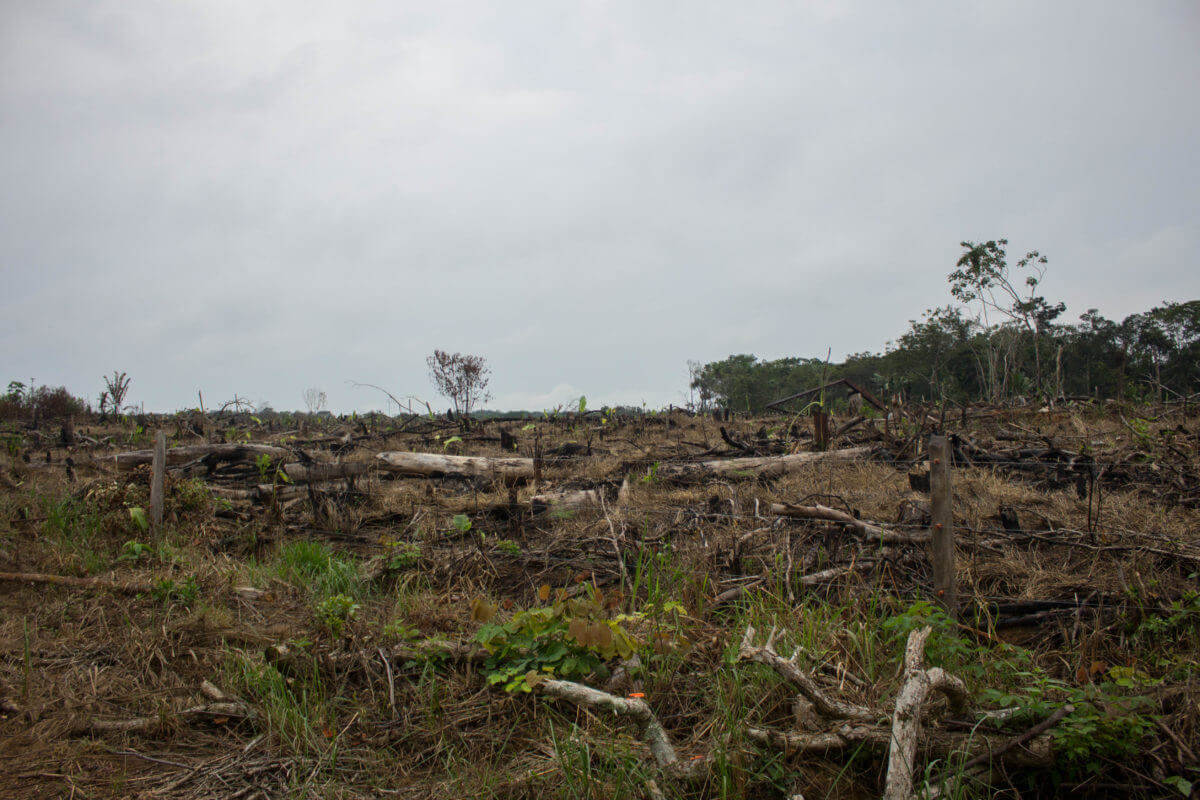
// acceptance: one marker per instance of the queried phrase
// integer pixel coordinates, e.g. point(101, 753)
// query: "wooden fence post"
point(157, 477)
point(941, 553)
point(820, 428)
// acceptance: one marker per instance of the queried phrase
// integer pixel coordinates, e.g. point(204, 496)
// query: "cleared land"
point(597, 606)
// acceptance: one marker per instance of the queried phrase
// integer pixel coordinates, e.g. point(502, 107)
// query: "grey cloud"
point(259, 198)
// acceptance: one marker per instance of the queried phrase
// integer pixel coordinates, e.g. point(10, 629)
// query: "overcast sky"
point(260, 197)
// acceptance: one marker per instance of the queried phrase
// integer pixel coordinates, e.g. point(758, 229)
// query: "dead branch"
point(866, 529)
point(220, 709)
point(289, 661)
point(132, 587)
point(919, 683)
point(789, 669)
point(650, 730)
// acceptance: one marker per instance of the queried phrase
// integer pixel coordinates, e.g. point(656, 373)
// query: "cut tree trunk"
point(569, 500)
point(755, 467)
point(434, 465)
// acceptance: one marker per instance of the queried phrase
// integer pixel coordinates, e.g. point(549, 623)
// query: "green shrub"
point(570, 639)
point(403, 557)
point(335, 611)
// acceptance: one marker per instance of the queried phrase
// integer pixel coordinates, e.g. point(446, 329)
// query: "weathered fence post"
point(157, 476)
point(941, 553)
point(537, 460)
point(820, 428)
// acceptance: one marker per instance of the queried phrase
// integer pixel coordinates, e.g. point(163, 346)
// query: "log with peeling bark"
point(755, 466)
point(434, 465)
point(865, 529)
point(245, 451)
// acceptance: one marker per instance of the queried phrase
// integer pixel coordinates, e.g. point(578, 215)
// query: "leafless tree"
point(116, 387)
point(460, 377)
point(314, 398)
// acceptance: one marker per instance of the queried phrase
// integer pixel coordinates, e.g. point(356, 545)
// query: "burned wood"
point(215, 452)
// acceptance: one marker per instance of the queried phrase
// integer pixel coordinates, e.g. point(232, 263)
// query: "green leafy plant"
point(397, 631)
point(140, 521)
point(335, 611)
point(570, 639)
point(263, 462)
point(945, 646)
point(404, 556)
point(508, 546)
point(178, 593)
point(191, 495)
point(134, 551)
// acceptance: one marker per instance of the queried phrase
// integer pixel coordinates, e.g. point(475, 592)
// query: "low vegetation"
point(630, 633)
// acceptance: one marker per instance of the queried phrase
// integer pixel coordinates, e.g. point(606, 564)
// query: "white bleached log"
point(756, 466)
point(434, 465)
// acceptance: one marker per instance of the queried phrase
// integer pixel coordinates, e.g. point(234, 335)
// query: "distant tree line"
point(1001, 341)
point(41, 403)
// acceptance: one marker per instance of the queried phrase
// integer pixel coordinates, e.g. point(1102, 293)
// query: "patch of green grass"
point(596, 773)
point(76, 529)
point(314, 566)
point(296, 713)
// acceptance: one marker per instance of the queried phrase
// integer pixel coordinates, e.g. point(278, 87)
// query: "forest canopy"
point(1001, 340)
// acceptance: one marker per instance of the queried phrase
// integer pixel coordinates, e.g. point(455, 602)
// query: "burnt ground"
point(1077, 559)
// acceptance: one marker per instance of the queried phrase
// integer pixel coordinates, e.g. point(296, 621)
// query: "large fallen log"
point(320, 471)
point(434, 465)
point(245, 451)
point(756, 466)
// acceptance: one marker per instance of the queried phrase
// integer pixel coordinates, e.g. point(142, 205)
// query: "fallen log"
point(755, 466)
point(319, 471)
point(569, 500)
point(434, 465)
point(244, 451)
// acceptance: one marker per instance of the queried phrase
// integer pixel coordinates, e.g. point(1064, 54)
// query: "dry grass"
point(69, 657)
